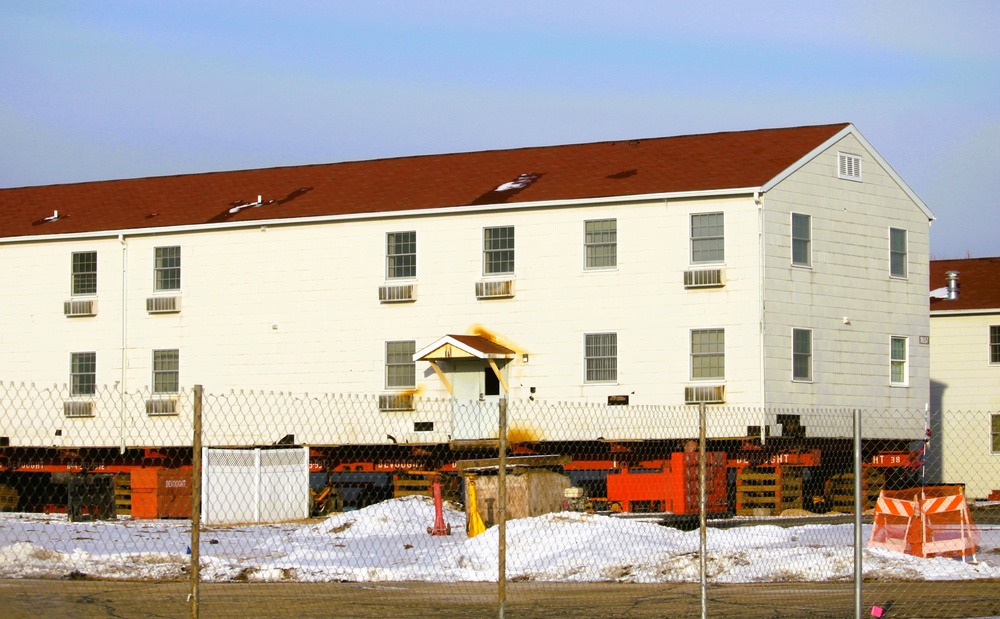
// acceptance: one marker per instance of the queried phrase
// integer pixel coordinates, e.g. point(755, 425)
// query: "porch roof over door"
point(463, 346)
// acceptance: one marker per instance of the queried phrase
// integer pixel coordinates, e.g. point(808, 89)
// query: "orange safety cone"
point(440, 527)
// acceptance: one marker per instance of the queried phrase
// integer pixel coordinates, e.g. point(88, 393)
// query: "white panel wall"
point(849, 278)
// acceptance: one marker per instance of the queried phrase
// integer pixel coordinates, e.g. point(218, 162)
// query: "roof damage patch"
point(506, 191)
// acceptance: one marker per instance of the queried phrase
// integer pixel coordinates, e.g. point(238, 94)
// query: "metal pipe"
point(858, 507)
point(702, 518)
point(124, 351)
point(196, 504)
point(502, 511)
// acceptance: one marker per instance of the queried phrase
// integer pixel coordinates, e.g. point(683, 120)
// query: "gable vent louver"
point(849, 166)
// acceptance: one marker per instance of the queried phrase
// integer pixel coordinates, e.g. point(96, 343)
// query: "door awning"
point(463, 346)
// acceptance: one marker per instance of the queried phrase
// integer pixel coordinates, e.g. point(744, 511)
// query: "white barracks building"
point(771, 268)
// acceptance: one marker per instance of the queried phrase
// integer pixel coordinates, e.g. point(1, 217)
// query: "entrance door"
point(477, 392)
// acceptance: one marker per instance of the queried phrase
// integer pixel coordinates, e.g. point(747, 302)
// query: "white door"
point(476, 409)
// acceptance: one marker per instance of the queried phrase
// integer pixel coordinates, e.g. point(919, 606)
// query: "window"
point(994, 343)
point(400, 369)
point(601, 243)
point(897, 252)
point(401, 255)
point(83, 373)
point(498, 250)
point(995, 433)
point(801, 354)
point(849, 166)
point(707, 238)
point(167, 268)
point(601, 355)
point(84, 272)
point(898, 361)
point(166, 371)
point(708, 354)
point(801, 240)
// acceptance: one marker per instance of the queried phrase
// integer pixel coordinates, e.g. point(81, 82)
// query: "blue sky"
point(100, 90)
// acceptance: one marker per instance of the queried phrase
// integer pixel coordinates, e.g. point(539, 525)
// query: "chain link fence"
point(258, 503)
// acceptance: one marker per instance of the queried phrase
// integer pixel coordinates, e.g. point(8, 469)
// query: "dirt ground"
point(90, 599)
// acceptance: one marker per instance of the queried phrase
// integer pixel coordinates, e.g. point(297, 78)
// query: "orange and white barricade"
point(932, 521)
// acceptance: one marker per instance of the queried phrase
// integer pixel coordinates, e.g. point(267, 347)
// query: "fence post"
point(196, 504)
point(858, 507)
point(702, 518)
point(502, 511)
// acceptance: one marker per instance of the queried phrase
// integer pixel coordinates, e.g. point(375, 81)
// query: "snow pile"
point(389, 542)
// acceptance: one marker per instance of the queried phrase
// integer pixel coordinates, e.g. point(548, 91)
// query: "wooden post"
point(502, 511)
point(196, 504)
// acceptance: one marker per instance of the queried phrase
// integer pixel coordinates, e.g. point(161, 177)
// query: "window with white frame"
point(498, 250)
point(707, 238)
point(802, 354)
point(995, 433)
point(801, 240)
point(849, 166)
point(167, 268)
point(995, 344)
point(83, 373)
point(601, 357)
point(166, 371)
point(401, 255)
point(898, 361)
point(400, 369)
point(708, 354)
point(600, 243)
point(897, 252)
point(84, 266)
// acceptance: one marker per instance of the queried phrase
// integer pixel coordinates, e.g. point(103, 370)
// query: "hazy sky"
point(99, 90)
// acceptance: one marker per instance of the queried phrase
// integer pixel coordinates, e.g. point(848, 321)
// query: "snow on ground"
point(389, 542)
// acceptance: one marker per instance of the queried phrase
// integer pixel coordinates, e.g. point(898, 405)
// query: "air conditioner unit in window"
point(707, 394)
point(78, 408)
point(163, 305)
point(84, 307)
point(395, 402)
point(495, 289)
point(397, 294)
point(703, 278)
point(161, 406)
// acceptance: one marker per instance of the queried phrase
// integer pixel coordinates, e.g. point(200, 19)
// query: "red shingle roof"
point(602, 169)
point(979, 280)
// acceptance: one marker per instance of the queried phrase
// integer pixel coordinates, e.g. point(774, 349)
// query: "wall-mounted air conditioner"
point(707, 394)
point(495, 289)
point(704, 278)
point(395, 402)
point(80, 307)
point(78, 408)
point(400, 293)
point(161, 406)
point(163, 305)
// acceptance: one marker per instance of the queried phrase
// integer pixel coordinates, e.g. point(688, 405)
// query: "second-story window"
point(708, 241)
point(994, 344)
point(401, 255)
point(601, 243)
point(801, 240)
point(498, 250)
point(84, 272)
point(167, 268)
point(897, 252)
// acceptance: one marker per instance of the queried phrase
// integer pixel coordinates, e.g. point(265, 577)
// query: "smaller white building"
point(965, 374)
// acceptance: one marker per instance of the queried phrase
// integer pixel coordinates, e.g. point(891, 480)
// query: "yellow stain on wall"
point(481, 331)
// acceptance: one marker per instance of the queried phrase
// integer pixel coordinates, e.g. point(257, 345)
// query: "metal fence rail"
point(522, 508)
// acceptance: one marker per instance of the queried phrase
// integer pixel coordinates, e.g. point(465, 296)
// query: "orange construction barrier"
point(932, 521)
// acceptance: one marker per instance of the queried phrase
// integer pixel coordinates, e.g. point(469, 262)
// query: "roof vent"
point(953, 285)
